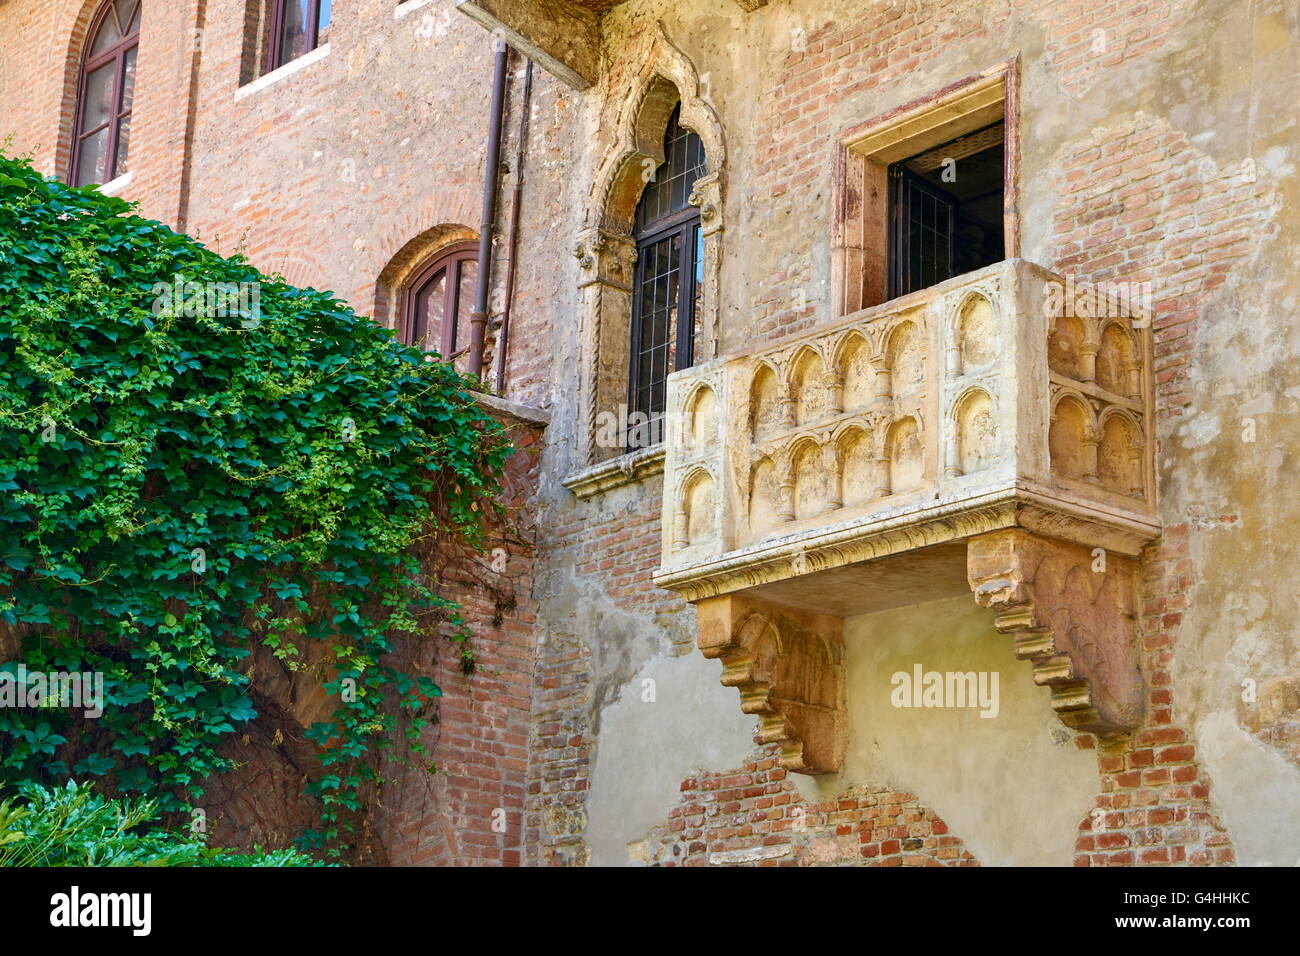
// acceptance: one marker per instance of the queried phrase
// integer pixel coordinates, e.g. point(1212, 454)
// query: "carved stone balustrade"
point(993, 432)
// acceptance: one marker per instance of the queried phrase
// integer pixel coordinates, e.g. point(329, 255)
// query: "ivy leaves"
point(187, 479)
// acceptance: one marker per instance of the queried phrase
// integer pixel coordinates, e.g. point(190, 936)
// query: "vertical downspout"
point(512, 239)
point(492, 175)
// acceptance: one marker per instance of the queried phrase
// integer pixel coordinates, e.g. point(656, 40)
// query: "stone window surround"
point(606, 252)
point(863, 153)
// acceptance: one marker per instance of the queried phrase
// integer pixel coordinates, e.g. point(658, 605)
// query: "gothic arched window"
point(668, 282)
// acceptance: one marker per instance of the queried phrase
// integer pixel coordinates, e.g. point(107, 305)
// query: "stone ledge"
point(503, 408)
point(287, 69)
point(626, 469)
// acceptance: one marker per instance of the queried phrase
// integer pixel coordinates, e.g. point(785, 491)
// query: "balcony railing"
point(996, 399)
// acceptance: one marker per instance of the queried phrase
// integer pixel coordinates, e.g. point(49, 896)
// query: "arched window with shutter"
point(101, 149)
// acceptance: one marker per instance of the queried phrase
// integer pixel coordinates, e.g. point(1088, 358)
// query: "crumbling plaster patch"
point(648, 746)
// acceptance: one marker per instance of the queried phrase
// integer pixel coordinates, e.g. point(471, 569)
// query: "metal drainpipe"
point(512, 239)
point(478, 318)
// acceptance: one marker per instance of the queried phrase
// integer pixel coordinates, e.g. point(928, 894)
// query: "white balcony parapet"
point(997, 403)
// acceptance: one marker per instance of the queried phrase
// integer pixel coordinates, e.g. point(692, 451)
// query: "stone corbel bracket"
point(789, 668)
point(1072, 613)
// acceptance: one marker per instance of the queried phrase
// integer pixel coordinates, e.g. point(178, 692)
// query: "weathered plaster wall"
point(649, 744)
point(1013, 785)
point(1155, 147)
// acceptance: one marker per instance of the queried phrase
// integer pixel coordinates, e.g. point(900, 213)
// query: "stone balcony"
point(991, 433)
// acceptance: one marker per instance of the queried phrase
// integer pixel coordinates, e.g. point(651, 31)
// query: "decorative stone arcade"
point(992, 433)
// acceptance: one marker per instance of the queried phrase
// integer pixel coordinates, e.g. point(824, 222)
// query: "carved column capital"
point(707, 195)
point(605, 257)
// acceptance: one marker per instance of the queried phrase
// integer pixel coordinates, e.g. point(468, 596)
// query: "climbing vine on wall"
point(201, 465)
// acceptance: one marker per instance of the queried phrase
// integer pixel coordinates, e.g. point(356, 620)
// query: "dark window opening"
point(667, 284)
point(297, 27)
point(438, 300)
point(945, 211)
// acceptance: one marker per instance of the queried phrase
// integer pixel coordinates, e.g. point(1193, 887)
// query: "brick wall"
point(753, 815)
point(331, 182)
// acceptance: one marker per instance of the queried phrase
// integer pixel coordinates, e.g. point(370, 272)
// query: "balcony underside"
point(563, 36)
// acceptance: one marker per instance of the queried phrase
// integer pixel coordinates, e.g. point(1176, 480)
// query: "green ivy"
point(188, 476)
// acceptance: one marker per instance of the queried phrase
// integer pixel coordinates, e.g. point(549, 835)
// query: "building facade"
point(904, 392)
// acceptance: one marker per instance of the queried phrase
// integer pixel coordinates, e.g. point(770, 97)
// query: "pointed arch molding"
point(638, 110)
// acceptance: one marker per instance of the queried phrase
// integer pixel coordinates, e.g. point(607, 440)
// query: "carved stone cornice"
point(561, 37)
point(780, 560)
point(626, 469)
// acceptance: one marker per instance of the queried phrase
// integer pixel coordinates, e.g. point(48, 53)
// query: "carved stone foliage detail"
point(634, 112)
point(789, 668)
point(1072, 614)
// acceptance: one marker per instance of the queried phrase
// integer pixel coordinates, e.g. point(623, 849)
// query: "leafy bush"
point(188, 474)
point(73, 826)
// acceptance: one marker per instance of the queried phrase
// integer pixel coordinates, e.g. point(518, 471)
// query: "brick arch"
point(408, 239)
point(753, 815)
point(72, 25)
point(411, 256)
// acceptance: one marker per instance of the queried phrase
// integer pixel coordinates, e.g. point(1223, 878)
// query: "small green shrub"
point(73, 826)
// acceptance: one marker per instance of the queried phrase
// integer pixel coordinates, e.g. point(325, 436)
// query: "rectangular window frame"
point(861, 226)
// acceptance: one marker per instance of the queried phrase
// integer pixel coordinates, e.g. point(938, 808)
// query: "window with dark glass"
point(667, 284)
point(297, 27)
point(101, 150)
point(438, 302)
point(946, 211)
